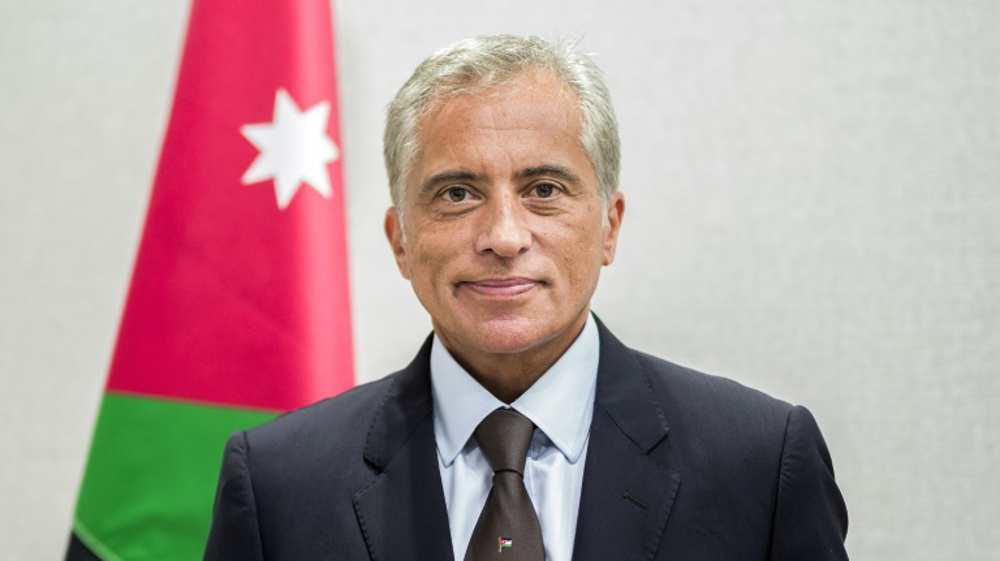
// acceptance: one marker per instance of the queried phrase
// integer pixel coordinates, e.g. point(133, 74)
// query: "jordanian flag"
point(238, 307)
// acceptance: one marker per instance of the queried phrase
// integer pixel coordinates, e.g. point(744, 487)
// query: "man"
point(502, 154)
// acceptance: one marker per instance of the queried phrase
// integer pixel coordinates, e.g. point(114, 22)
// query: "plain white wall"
point(813, 206)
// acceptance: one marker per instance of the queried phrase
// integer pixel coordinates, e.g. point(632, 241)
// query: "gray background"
point(812, 209)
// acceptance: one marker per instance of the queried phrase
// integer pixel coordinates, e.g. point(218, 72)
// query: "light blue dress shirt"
point(560, 404)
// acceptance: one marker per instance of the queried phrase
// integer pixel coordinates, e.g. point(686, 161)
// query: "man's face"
point(504, 238)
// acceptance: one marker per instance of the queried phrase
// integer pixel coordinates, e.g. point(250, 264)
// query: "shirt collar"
point(560, 403)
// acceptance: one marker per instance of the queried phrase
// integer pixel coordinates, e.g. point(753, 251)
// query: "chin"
point(509, 335)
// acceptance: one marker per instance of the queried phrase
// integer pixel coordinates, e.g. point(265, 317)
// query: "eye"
point(456, 194)
point(544, 190)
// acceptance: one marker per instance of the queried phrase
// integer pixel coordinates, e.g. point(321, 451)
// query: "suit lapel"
point(627, 496)
point(402, 513)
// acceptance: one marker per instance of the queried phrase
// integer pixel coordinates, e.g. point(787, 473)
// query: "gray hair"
point(495, 60)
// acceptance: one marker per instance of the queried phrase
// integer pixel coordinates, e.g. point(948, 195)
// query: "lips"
point(502, 286)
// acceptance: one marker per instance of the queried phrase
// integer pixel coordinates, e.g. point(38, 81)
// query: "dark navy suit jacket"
point(680, 466)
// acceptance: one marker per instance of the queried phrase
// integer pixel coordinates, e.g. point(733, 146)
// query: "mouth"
point(501, 286)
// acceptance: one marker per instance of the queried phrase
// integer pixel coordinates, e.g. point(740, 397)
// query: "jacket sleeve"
point(810, 518)
point(235, 532)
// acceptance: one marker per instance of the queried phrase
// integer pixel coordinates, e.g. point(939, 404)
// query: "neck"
point(508, 375)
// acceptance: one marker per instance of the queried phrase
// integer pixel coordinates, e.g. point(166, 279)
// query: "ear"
point(616, 210)
point(394, 233)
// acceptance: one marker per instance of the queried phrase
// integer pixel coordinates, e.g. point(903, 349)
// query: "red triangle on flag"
point(240, 293)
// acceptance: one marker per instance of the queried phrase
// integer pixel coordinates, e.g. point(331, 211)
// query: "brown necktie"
point(508, 526)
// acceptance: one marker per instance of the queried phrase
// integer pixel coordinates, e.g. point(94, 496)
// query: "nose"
point(503, 229)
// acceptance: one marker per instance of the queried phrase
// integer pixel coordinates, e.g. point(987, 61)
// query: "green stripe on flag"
point(151, 476)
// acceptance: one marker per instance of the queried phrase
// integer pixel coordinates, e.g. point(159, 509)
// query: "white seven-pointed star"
point(294, 149)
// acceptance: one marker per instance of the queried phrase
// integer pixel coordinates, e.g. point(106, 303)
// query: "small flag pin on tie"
point(505, 542)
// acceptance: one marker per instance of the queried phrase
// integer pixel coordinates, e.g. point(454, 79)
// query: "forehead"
point(533, 115)
point(540, 90)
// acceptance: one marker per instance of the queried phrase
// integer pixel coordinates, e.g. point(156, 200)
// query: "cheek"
point(578, 251)
point(421, 266)
point(429, 257)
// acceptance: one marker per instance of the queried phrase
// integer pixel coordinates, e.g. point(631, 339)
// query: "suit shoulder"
point(703, 396)
point(341, 418)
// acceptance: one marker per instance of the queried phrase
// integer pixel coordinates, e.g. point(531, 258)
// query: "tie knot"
point(504, 436)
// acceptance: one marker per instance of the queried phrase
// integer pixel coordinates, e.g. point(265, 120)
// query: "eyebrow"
point(549, 169)
point(447, 176)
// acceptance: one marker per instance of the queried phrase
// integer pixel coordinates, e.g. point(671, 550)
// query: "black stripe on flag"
point(78, 551)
